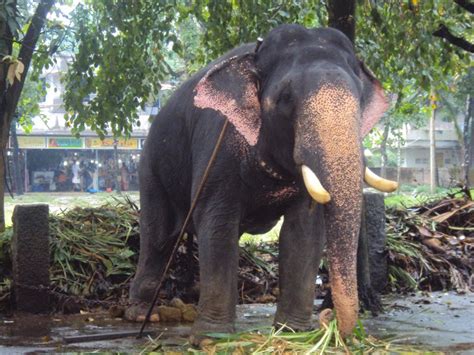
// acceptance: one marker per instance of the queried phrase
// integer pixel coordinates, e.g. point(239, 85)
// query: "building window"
point(447, 161)
point(421, 161)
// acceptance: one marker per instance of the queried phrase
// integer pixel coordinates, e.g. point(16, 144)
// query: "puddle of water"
point(438, 321)
point(441, 321)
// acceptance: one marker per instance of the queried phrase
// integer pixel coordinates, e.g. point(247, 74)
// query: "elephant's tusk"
point(314, 187)
point(378, 182)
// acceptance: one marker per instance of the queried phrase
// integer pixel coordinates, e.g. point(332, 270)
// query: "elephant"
point(298, 105)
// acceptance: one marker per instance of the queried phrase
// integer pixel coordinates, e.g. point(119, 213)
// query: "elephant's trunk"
point(342, 215)
point(330, 125)
point(343, 224)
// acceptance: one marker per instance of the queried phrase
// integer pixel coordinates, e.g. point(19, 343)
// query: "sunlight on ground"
point(408, 196)
point(59, 201)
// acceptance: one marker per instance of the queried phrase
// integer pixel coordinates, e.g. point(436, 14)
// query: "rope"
point(185, 224)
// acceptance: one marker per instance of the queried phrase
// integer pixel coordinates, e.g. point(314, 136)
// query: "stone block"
point(31, 258)
point(170, 314)
point(377, 239)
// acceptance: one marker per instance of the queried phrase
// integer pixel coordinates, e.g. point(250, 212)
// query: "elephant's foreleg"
point(218, 263)
point(301, 244)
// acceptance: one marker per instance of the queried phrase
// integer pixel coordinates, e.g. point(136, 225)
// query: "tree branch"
point(341, 15)
point(21, 44)
point(443, 32)
point(466, 4)
point(26, 53)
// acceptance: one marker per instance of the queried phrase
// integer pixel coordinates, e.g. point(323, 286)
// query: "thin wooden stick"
point(185, 224)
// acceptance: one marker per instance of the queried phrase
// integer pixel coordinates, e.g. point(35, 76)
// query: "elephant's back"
point(181, 133)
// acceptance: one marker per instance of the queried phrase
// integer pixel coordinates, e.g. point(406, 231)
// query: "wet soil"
point(433, 321)
point(436, 321)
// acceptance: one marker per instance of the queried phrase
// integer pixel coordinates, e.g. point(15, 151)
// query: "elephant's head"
point(304, 102)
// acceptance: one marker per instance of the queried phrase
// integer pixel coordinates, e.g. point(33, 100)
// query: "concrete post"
point(30, 254)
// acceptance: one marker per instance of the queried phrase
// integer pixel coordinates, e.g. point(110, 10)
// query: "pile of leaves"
point(94, 252)
point(431, 246)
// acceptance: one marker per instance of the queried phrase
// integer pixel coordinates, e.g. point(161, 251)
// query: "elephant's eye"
point(285, 102)
point(285, 95)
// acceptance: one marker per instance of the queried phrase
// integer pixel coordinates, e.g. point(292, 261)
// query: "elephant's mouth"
point(317, 191)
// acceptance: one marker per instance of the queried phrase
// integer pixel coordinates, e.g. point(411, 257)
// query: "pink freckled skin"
point(238, 145)
point(374, 110)
point(245, 116)
point(283, 193)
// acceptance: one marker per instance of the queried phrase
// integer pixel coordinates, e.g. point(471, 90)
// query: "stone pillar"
point(376, 239)
point(30, 258)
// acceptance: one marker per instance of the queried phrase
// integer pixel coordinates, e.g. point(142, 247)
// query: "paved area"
point(437, 321)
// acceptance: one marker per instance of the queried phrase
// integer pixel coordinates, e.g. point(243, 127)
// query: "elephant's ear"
point(374, 101)
point(231, 88)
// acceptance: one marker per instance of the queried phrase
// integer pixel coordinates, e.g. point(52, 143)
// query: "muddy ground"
point(437, 322)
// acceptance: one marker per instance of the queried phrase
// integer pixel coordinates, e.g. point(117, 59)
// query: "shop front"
point(65, 163)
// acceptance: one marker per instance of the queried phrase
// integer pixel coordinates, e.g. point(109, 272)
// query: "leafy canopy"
point(118, 62)
point(124, 50)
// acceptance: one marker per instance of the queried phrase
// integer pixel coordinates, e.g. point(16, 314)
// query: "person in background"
point(60, 178)
point(76, 179)
point(125, 176)
point(86, 178)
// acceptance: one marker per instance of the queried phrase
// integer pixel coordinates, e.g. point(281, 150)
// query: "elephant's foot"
point(138, 312)
point(292, 322)
point(370, 300)
point(143, 288)
point(201, 328)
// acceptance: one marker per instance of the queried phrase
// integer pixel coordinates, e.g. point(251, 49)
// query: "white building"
point(50, 149)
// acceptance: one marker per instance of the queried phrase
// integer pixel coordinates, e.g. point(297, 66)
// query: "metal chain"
point(78, 299)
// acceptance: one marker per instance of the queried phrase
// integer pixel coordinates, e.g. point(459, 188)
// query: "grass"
point(409, 196)
point(270, 236)
point(59, 201)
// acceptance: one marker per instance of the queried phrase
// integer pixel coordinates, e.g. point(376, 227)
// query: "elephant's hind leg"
point(158, 234)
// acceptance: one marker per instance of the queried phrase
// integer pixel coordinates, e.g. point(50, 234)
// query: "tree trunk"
point(6, 46)
point(433, 146)
point(399, 162)
point(383, 150)
point(16, 161)
point(11, 93)
point(342, 16)
point(468, 141)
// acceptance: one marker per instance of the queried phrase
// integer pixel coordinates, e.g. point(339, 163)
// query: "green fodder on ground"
point(94, 251)
point(325, 340)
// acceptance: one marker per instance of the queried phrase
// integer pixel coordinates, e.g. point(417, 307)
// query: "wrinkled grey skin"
point(302, 98)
